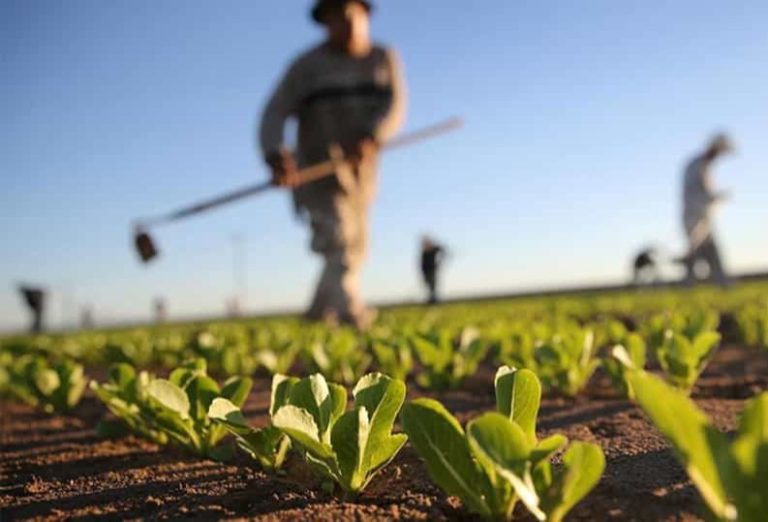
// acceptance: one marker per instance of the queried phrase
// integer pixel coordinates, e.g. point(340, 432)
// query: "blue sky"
point(579, 118)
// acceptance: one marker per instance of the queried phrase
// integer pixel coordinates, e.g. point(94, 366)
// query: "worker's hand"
point(284, 169)
point(366, 150)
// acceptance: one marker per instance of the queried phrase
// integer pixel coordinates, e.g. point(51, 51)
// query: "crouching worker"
point(348, 96)
point(645, 268)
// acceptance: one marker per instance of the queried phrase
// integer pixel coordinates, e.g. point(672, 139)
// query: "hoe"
point(146, 246)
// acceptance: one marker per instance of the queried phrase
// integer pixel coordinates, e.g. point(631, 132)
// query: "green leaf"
point(236, 389)
point(201, 391)
point(268, 446)
point(518, 396)
point(338, 402)
point(705, 344)
point(695, 441)
point(47, 381)
point(496, 440)
point(547, 447)
point(439, 439)
point(349, 439)
point(382, 398)
point(300, 426)
point(582, 467)
point(635, 346)
point(225, 411)
point(321, 401)
point(754, 419)
point(122, 375)
point(186, 372)
point(169, 396)
point(748, 480)
point(177, 428)
point(281, 391)
point(75, 386)
point(502, 449)
point(386, 452)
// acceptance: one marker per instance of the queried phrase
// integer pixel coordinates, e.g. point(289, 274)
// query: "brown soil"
point(56, 467)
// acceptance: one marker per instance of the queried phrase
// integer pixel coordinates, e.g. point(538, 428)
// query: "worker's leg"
point(320, 308)
point(339, 234)
point(430, 278)
point(324, 223)
point(690, 267)
point(353, 232)
point(711, 254)
point(37, 321)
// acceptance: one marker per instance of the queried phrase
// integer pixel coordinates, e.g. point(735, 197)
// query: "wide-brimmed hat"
point(322, 5)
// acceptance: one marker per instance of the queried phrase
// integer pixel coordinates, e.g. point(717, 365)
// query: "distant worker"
point(432, 255)
point(699, 202)
point(34, 298)
point(160, 310)
point(645, 267)
point(348, 96)
point(86, 318)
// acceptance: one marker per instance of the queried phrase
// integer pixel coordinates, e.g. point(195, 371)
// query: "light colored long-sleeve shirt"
point(699, 200)
point(337, 99)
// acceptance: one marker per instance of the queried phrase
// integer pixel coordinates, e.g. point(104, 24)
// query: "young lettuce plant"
point(125, 395)
point(683, 359)
point(445, 364)
point(181, 406)
point(56, 388)
point(689, 324)
point(752, 322)
point(339, 356)
point(268, 445)
point(567, 361)
point(347, 447)
point(499, 461)
point(633, 347)
point(177, 407)
point(731, 475)
point(518, 346)
point(393, 357)
point(279, 358)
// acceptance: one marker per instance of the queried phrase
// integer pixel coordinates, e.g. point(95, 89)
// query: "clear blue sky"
point(580, 116)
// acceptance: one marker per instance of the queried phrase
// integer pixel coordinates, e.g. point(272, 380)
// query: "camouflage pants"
point(339, 222)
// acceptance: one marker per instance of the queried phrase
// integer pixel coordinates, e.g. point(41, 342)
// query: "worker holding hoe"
point(348, 96)
point(699, 202)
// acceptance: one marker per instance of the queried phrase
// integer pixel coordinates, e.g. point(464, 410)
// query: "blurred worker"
point(432, 255)
point(348, 97)
point(34, 298)
point(86, 318)
point(160, 310)
point(699, 202)
point(645, 267)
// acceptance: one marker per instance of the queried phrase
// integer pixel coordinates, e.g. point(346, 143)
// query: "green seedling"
point(351, 447)
point(498, 461)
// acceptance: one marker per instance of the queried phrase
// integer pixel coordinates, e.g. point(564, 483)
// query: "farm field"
point(60, 465)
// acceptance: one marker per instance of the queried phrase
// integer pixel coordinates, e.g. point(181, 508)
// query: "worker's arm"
point(281, 106)
point(394, 115)
point(712, 195)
